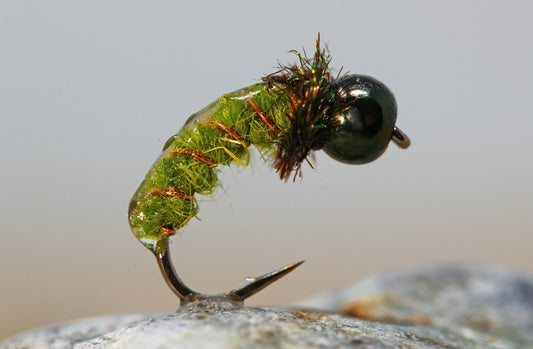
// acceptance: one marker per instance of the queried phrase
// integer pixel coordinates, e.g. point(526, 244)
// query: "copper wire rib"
point(263, 117)
point(169, 192)
point(197, 156)
point(168, 231)
point(229, 131)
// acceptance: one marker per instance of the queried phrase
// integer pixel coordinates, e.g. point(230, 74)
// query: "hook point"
point(256, 284)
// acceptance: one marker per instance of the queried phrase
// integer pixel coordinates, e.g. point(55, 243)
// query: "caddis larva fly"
point(292, 112)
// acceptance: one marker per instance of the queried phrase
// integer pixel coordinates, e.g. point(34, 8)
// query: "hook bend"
point(235, 296)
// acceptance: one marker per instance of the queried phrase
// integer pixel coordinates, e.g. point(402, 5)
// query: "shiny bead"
point(361, 132)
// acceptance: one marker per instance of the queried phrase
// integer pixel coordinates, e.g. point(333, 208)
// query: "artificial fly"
point(292, 112)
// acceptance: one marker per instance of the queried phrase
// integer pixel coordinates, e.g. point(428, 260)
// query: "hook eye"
point(400, 138)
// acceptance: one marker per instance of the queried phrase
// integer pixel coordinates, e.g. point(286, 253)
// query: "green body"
point(149, 213)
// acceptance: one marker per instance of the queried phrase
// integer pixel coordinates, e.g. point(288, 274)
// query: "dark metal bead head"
point(361, 130)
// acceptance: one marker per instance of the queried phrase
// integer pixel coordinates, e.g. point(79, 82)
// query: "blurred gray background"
point(89, 90)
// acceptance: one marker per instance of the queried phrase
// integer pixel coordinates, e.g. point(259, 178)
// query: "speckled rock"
point(486, 299)
point(438, 307)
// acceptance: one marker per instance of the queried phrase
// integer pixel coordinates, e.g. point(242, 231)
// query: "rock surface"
point(491, 300)
point(435, 307)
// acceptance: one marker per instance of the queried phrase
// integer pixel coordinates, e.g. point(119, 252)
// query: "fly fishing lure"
point(292, 112)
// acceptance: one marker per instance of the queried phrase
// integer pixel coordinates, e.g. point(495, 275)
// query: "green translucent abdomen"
point(188, 164)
